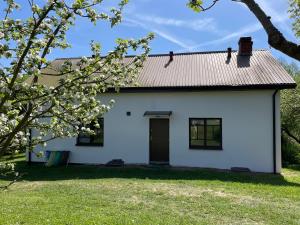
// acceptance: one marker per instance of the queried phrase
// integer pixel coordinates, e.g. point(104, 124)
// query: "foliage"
point(294, 11)
point(290, 106)
point(290, 118)
point(290, 151)
point(93, 195)
point(67, 108)
point(198, 6)
point(195, 5)
point(7, 170)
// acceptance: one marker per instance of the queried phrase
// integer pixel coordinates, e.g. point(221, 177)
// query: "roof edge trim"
point(167, 54)
point(204, 88)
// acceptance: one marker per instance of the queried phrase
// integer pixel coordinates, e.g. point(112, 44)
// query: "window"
point(92, 140)
point(205, 133)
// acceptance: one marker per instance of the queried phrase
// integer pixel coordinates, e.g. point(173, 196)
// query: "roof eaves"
point(205, 88)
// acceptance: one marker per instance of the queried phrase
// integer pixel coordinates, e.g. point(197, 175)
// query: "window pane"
point(205, 132)
point(213, 136)
point(93, 139)
point(193, 132)
point(98, 137)
point(213, 122)
point(195, 122)
point(200, 133)
point(197, 142)
point(84, 139)
point(209, 132)
point(213, 143)
point(217, 133)
point(83, 135)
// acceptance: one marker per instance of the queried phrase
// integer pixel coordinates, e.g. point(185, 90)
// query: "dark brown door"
point(159, 140)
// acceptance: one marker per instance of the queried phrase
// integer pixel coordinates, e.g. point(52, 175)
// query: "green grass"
point(95, 195)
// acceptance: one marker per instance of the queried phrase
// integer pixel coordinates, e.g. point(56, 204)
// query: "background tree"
point(275, 38)
point(290, 118)
point(69, 107)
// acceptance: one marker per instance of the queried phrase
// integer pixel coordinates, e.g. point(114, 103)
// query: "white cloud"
point(159, 32)
point(171, 38)
point(245, 31)
point(277, 18)
point(206, 24)
point(156, 23)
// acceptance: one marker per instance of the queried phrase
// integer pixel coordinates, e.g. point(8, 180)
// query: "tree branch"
point(275, 37)
point(5, 187)
point(24, 53)
point(50, 41)
point(288, 133)
point(209, 7)
point(16, 130)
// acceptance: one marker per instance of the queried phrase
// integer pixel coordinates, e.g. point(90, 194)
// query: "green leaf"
point(195, 5)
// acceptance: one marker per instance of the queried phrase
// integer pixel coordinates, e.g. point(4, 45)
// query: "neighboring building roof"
point(206, 70)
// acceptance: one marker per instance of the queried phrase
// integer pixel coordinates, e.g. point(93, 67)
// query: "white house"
point(205, 109)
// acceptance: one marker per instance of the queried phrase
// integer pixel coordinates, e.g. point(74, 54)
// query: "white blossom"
point(66, 108)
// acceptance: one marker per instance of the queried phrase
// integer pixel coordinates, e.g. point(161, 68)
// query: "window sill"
point(89, 145)
point(206, 148)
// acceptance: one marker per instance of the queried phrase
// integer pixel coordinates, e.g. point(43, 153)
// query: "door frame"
point(149, 138)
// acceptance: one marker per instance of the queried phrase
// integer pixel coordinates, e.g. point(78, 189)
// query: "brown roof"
point(206, 70)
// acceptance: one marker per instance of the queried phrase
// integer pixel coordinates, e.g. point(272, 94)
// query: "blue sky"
point(179, 29)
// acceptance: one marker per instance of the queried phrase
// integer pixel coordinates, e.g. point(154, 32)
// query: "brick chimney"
point(245, 46)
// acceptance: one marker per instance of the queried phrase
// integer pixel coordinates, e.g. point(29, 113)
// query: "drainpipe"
point(274, 131)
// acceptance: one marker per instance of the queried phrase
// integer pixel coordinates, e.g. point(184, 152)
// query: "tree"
point(290, 107)
point(275, 38)
point(290, 119)
point(68, 108)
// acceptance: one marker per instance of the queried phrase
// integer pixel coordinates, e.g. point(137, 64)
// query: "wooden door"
point(159, 140)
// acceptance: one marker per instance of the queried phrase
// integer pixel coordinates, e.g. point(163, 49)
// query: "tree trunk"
point(275, 37)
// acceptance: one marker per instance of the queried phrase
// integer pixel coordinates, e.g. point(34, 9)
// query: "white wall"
point(247, 130)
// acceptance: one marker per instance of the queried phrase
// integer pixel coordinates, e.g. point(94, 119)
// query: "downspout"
point(30, 143)
point(274, 131)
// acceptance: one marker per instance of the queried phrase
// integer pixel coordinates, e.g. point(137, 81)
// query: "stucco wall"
point(246, 130)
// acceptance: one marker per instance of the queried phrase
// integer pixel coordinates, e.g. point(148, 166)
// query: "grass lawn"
point(95, 195)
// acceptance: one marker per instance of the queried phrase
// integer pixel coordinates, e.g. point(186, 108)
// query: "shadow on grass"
point(38, 172)
point(12, 157)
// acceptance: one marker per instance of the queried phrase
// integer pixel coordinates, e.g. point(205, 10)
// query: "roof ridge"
point(167, 54)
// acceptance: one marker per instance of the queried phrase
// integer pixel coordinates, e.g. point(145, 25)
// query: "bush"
point(290, 151)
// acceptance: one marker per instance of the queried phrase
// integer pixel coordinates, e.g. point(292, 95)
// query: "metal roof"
point(207, 70)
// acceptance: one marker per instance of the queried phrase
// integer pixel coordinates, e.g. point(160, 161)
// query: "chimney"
point(229, 50)
point(245, 46)
point(171, 56)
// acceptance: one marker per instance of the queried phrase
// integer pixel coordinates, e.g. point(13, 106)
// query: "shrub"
point(290, 151)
